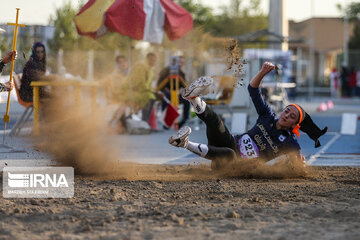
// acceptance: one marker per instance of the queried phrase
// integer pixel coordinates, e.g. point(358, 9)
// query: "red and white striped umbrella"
point(139, 19)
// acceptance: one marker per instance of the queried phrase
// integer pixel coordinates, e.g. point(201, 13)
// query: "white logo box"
point(38, 182)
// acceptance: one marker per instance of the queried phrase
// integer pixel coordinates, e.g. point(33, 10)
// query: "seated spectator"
point(117, 78)
point(139, 85)
point(34, 69)
point(114, 84)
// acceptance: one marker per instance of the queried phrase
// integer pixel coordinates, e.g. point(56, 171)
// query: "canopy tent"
point(141, 20)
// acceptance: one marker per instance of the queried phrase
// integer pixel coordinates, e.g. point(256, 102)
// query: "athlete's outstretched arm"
point(265, 69)
point(262, 108)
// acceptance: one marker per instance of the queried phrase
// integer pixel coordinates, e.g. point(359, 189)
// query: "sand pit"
point(116, 199)
point(323, 206)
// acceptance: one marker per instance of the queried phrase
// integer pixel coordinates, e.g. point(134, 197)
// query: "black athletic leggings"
point(221, 143)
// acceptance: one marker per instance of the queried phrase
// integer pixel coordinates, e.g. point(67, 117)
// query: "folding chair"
point(27, 105)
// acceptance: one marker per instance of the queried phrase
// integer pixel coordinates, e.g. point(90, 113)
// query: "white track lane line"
point(323, 149)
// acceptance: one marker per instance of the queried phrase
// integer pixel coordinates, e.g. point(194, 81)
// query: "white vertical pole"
point(285, 26)
point(90, 73)
point(312, 52)
point(299, 65)
point(321, 68)
point(132, 107)
point(60, 61)
point(346, 34)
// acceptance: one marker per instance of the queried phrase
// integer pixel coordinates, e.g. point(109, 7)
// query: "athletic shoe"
point(197, 87)
point(181, 138)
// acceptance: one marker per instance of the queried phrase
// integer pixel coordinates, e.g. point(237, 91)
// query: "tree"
point(238, 9)
point(235, 19)
point(4, 44)
point(352, 11)
point(238, 19)
point(65, 36)
point(202, 16)
point(354, 41)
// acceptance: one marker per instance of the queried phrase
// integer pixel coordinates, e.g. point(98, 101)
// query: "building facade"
point(326, 37)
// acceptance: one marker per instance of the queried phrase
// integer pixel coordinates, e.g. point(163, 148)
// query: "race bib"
point(247, 147)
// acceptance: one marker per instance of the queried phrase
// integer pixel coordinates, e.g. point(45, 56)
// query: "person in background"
point(140, 81)
point(115, 81)
point(358, 83)
point(122, 66)
point(114, 84)
point(8, 57)
point(334, 83)
point(166, 89)
point(34, 70)
point(352, 82)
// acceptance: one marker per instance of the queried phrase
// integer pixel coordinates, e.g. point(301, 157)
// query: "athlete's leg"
point(217, 133)
point(181, 139)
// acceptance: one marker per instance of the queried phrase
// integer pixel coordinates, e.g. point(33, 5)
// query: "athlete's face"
point(289, 117)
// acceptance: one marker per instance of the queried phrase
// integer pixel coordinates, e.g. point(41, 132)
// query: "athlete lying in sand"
point(270, 138)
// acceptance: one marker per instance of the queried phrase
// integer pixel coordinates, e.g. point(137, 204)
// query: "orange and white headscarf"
point(307, 125)
point(301, 118)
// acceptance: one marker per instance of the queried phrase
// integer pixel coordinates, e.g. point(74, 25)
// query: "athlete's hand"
point(9, 56)
point(267, 67)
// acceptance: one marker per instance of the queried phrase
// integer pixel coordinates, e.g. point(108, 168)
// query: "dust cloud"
point(75, 136)
point(290, 167)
